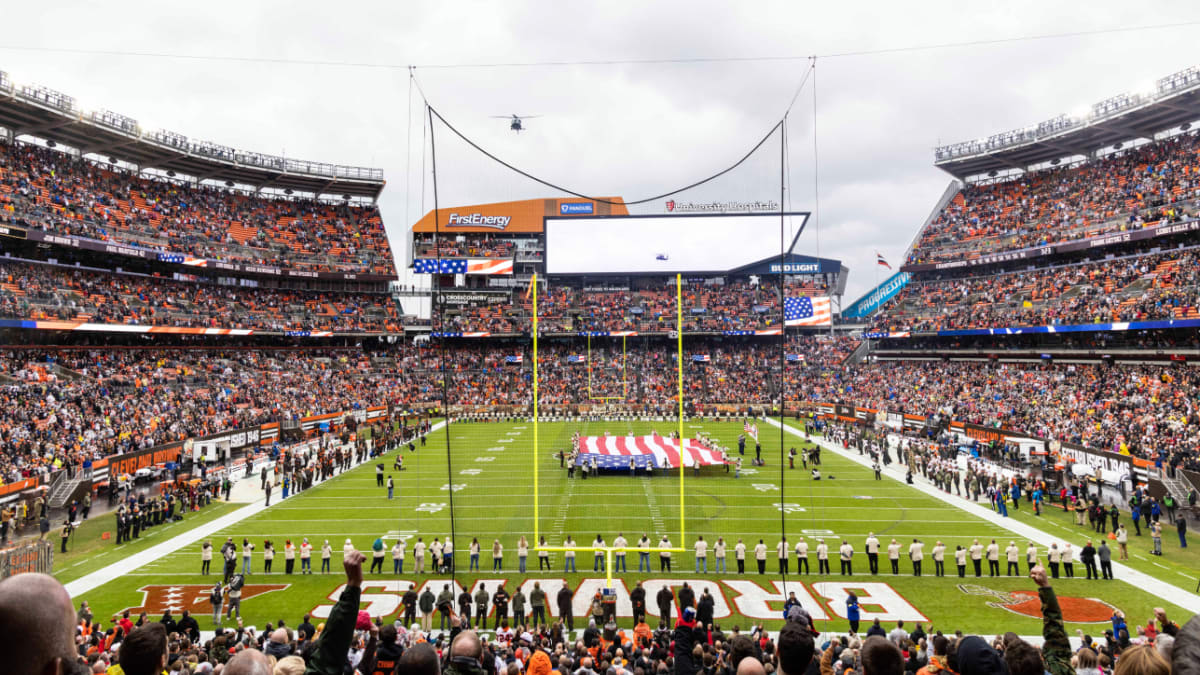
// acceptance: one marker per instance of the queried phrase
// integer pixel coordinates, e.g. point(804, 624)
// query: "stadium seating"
point(1159, 286)
point(50, 190)
point(1127, 190)
point(33, 291)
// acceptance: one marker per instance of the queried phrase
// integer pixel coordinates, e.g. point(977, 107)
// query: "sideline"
point(1168, 592)
point(90, 582)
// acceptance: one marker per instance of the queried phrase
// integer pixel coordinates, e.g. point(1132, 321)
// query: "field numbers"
point(471, 472)
point(485, 459)
point(505, 440)
point(429, 507)
point(790, 507)
point(496, 449)
point(457, 487)
point(764, 487)
point(749, 472)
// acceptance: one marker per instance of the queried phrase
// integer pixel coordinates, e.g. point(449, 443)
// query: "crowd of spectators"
point(1147, 410)
point(1159, 286)
point(47, 189)
point(50, 635)
point(1123, 191)
point(36, 291)
point(67, 406)
point(454, 245)
point(738, 305)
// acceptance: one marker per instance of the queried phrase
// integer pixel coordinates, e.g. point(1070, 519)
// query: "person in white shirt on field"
point(760, 556)
point(619, 554)
point(822, 557)
point(305, 557)
point(719, 556)
point(993, 558)
point(497, 555)
point(448, 554)
point(569, 556)
point(644, 552)
point(1068, 560)
point(739, 554)
point(783, 551)
point(543, 555)
point(1053, 558)
point(326, 554)
point(894, 556)
point(960, 559)
point(802, 557)
point(522, 553)
point(701, 547)
point(419, 556)
point(846, 558)
point(1012, 555)
point(664, 556)
point(916, 553)
point(598, 547)
point(1031, 556)
point(872, 548)
point(398, 557)
point(976, 551)
point(435, 554)
point(939, 559)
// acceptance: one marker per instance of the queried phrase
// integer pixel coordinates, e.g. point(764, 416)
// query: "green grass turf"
point(491, 467)
point(88, 552)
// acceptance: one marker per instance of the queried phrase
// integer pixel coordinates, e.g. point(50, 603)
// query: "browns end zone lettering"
point(823, 600)
point(478, 220)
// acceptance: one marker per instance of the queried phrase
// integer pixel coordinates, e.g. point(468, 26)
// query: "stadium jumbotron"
point(217, 360)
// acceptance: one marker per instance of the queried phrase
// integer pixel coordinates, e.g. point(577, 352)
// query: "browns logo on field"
point(159, 598)
point(1027, 603)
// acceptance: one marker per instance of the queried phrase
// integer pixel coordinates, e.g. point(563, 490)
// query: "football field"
point(488, 478)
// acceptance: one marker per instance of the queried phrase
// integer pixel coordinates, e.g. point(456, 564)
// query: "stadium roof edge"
point(1173, 103)
point(39, 112)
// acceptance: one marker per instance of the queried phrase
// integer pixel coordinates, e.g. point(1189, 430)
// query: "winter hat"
point(976, 657)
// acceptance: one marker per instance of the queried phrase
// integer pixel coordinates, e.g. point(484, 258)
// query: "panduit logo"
point(574, 208)
point(479, 220)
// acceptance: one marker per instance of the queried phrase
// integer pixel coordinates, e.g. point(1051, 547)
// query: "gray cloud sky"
point(629, 130)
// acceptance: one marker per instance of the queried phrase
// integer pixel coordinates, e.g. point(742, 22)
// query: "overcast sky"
point(628, 130)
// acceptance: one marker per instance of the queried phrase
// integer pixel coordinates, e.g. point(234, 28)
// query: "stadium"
point(228, 387)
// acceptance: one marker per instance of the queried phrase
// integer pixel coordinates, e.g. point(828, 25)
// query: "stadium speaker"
point(228, 183)
point(170, 174)
point(1055, 162)
point(1118, 146)
point(1186, 126)
point(287, 191)
point(346, 198)
point(112, 160)
point(51, 144)
point(992, 173)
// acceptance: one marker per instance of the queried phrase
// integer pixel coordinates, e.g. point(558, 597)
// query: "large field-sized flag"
point(806, 311)
point(614, 452)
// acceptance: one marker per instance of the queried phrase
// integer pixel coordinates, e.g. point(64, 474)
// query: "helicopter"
point(516, 122)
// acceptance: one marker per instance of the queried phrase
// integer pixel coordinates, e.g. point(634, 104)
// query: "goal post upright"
point(679, 367)
point(537, 513)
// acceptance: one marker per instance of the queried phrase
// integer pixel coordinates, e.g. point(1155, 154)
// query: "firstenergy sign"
point(478, 220)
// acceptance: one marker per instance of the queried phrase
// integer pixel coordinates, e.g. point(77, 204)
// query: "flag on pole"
point(880, 261)
point(751, 429)
point(514, 359)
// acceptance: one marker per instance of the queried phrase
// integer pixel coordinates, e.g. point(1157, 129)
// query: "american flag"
point(462, 266)
point(795, 357)
point(806, 311)
point(751, 429)
point(701, 358)
point(514, 359)
point(576, 358)
point(614, 452)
